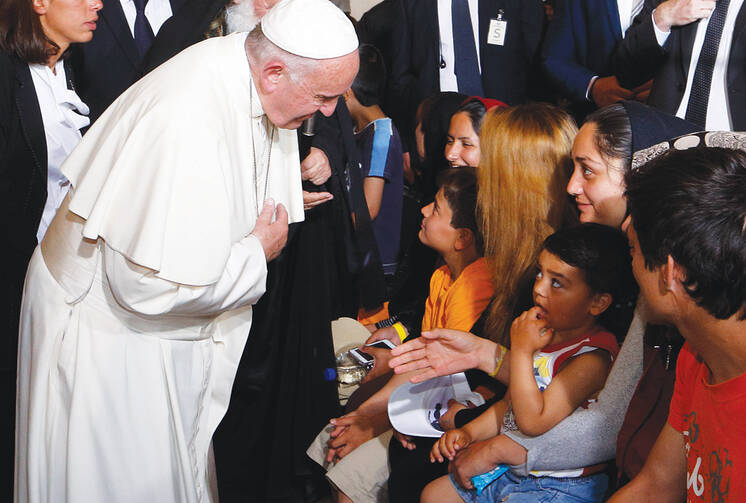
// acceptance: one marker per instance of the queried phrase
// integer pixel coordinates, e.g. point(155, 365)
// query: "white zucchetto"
point(314, 29)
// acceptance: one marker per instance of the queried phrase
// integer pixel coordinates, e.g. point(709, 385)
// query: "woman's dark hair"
point(369, 84)
point(21, 33)
point(475, 109)
point(613, 133)
point(602, 254)
point(435, 116)
point(460, 190)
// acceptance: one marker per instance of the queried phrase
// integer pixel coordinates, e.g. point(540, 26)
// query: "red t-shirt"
point(713, 421)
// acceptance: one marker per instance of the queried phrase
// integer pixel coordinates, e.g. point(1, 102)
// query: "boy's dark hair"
point(475, 109)
point(691, 205)
point(602, 254)
point(368, 86)
point(460, 190)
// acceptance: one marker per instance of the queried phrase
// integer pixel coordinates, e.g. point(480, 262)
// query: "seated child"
point(380, 151)
point(355, 453)
point(561, 353)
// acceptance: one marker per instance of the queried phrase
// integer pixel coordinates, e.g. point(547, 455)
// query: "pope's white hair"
point(261, 50)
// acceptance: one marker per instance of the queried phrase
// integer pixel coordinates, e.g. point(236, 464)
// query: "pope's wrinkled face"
point(296, 99)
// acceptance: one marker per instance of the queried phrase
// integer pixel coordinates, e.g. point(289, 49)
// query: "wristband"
point(399, 327)
point(499, 359)
point(388, 322)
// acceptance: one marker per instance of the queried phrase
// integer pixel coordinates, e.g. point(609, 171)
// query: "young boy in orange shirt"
point(459, 291)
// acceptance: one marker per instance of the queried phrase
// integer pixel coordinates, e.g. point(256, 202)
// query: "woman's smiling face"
point(462, 146)
point(597, 182)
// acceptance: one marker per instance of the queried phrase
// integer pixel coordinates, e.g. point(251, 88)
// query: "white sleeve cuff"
point(139, 289)
point(660, 35)
point(588, 89)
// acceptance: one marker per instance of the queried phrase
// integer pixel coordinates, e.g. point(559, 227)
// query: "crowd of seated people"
point(511, 162)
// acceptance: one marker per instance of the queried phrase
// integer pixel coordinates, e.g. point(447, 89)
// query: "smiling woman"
point(40, 119)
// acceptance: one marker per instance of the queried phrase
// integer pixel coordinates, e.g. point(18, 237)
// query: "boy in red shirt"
point(688, 243)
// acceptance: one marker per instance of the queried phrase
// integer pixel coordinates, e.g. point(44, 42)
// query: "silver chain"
point(253, 155)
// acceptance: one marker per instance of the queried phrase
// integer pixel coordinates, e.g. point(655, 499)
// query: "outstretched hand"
point(439, 352)
point(271, 235)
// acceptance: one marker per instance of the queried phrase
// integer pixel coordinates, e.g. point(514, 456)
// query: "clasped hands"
point(316, 169)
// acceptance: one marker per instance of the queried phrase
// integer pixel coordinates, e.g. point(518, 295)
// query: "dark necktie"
point(696, 109)
point(143, 32)
point(466, 65)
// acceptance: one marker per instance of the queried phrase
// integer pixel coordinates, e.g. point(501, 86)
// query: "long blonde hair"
point(524, 169)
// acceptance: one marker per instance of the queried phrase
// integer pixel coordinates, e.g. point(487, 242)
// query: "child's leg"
point(590, 489)
point(440, 491)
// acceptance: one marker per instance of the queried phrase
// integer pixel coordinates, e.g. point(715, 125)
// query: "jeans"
point(515, 489)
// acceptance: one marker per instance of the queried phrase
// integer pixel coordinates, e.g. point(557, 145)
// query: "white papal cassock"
point(137, 304)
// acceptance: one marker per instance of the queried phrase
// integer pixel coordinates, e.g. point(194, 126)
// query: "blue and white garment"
point(380, 150)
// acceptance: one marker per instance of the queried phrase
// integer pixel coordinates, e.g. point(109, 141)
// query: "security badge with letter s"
point(498, 28)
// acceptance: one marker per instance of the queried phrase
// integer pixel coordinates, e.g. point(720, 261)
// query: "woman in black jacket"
point(40, 119)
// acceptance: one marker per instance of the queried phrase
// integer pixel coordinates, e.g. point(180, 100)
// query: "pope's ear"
point(272, 74)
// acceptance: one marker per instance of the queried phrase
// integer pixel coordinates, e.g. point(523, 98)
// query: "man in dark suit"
point(110, 62)
point(696, 52)
point(426, 43)
point(576, 52)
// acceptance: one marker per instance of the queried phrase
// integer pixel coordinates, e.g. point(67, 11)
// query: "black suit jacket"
point(415, 69)
point(23, 192)
point(23, 150)
point(109, 63)
point(639, 58)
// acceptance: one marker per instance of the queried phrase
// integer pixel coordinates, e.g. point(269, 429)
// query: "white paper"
point(414, 409)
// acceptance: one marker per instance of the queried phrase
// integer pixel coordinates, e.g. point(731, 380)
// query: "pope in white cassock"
point(137, 303)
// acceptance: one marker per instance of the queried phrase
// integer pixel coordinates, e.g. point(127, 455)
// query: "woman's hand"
point(529, 332)
point(443, 352)
point(447, 445)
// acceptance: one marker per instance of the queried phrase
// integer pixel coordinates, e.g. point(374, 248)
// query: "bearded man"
point(137, 305)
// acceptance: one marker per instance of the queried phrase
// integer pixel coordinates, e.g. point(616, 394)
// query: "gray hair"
point(261, 50)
